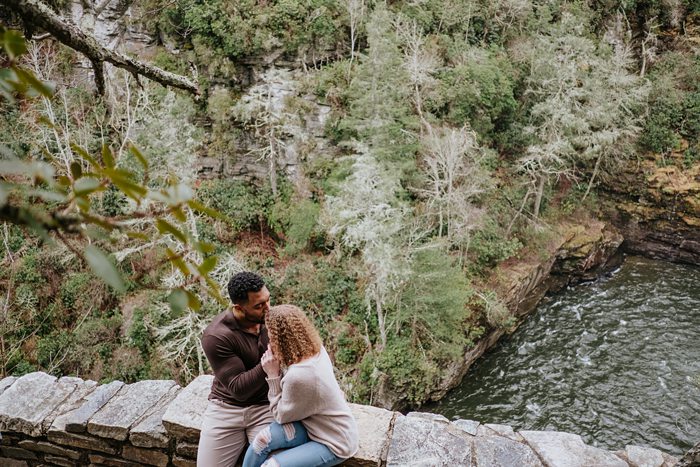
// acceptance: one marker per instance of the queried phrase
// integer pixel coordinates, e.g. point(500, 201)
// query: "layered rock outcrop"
point(46, 420)
point(657, 209)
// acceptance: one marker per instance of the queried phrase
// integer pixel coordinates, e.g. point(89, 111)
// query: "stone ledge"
point(158, 423)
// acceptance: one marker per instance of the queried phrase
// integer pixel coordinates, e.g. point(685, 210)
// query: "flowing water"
point(616, 361)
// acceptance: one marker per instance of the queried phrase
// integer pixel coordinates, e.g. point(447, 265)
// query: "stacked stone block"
point(46, 420)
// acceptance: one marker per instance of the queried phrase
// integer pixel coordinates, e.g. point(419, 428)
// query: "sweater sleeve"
point(230, 369)
point(293, 399)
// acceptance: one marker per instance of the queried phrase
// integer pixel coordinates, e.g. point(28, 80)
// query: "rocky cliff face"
point(113, 23)
point(657, 209)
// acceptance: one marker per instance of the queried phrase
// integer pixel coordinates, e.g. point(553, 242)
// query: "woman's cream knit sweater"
point(309, 393)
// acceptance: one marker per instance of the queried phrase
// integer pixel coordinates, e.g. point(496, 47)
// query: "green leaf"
point(205, 248)
point(76, 170)
point(178, 300)
point(107, 156)
point(86, 185)
point(207, 265)
point(137, 154)
point(178, 213)
point(178, 262)
point(130, 189)
point(48, 195)
point(99, 222)
point(138, 236)
point(165, 227)
point(83, 204)
point(103, 268)
point(193, 301)
point(213, 291)
point(42, 87)
point(83, 153)
point(13, 43)
point(199, 207)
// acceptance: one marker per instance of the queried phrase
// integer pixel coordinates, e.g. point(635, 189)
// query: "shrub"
point(245, 206)
point(478, 92)
point(76, 290)
point(489, 246)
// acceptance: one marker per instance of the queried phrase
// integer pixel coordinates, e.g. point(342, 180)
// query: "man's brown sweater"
point(234, 355)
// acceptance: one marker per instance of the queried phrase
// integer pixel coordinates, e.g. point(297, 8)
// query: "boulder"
point(6, 383)
point(422, 441)
point(499, 451)
point(374, 426)
point(468, 426)
point(76, 420)
point(559, 449)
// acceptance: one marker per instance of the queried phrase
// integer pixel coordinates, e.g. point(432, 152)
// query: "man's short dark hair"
point(242, 283)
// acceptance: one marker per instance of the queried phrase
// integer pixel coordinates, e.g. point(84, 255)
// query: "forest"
point(374, 161)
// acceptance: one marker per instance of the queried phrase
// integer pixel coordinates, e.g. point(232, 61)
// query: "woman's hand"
point(270, 365)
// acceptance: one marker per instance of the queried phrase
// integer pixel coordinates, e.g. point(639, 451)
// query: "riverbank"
point(575, 252)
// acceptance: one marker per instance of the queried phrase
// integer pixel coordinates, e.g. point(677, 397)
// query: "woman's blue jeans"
point(299, 451)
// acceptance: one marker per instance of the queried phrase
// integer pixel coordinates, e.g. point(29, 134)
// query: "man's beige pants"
point(225, 429)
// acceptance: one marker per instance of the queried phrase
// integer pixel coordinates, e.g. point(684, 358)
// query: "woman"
point(313, 423)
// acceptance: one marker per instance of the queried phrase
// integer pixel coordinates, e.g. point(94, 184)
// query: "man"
point(234, 342)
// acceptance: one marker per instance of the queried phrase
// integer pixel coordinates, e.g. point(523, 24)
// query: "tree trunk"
point(538, 196)
point(380, 317)
point(595, 173)
point(37, 13)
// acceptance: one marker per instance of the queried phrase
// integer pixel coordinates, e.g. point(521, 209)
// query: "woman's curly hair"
point(292, 336)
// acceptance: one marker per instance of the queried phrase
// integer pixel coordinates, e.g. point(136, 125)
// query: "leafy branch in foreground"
point(55, 202)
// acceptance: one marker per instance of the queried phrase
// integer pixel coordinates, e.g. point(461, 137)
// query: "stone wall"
point(67, 421)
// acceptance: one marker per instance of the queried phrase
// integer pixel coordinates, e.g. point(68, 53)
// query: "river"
point(616, 361)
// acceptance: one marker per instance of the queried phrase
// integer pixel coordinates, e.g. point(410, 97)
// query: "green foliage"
point(113, 202)
point(52, 348)
point(350, 347)
point(660, 134)
point(21, 368)
point(245, 206)
point(410, 374)
point(691, 156)
point(299, 222)
point(489, 246)
point(478, 91)
point(674, 110)
point(76, 292)
point(29, 272)
point(326, 291)
point(433, 309)
point(246, 28)
point(139, 335)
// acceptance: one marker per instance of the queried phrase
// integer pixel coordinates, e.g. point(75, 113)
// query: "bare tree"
point(419, 61)
point(583, 95)
point(263, 110)
point(356, 11)
point(366, 217)
point(451, 162)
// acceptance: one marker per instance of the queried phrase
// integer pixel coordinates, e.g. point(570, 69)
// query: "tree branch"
point(36, 12)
